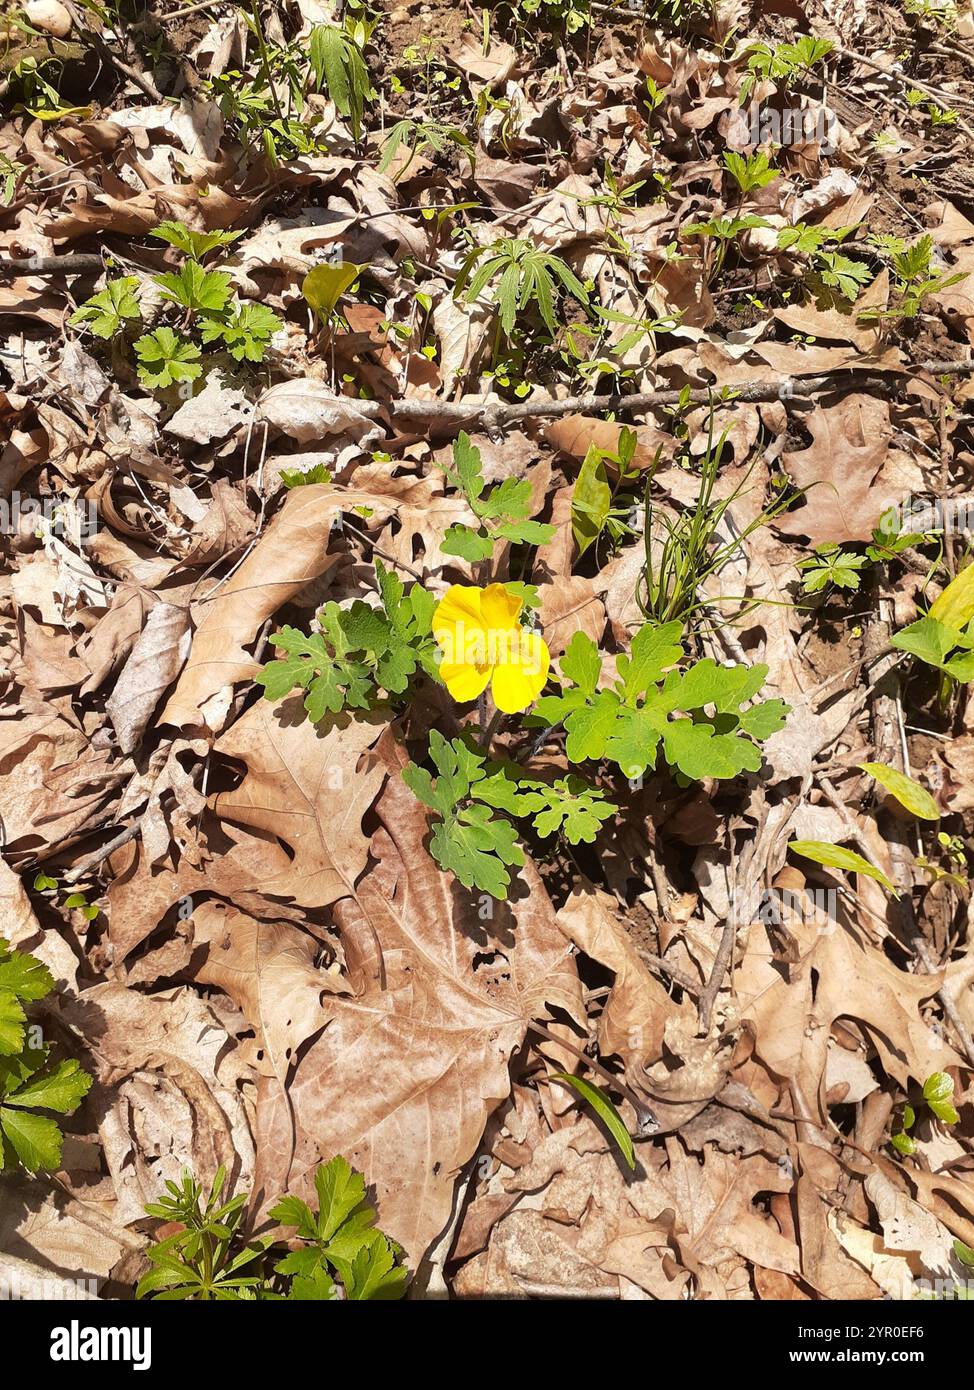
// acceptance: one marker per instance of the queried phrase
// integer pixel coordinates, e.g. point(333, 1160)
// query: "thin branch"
point(497, 412)
point(142, 80)
point(79, 263)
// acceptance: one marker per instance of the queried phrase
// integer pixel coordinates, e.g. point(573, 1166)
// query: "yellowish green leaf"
point(907, 792)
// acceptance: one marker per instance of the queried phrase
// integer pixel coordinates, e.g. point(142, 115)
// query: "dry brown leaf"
point(153, 664)
point(435, 984)
point(307, 785)
point(843, 472)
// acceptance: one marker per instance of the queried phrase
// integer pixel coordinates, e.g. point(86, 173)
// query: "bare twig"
point(98, 856)
point(496, 412)
point(187, 10)
point(678, 976)
point(142, 80)
point(79, 263)
point(711, 989)
point(946, 458)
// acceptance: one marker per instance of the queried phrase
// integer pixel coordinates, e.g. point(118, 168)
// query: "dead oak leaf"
point(291, 553)
point(405, 1074)
point(304, 787)
point(842, 470)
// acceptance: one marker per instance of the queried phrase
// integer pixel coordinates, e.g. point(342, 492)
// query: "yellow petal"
point(459, 628)
point(460, 604)
point(464, 682)
point(499, 607)
point(519, 680)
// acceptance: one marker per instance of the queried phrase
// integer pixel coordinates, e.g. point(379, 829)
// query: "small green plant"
point(938, 1093)
point(830, 564)
point(599, 505)
point(527, 16)
point(683, 551)
point(339, 67)
point(608, 352)
point(167, 356)
point(29, 1083)
point(629, 721)
point(503, 512)
point(339, 1238)
point(13, 175)
point(719, 234)
point(944, 638)
point(914, 277)
point(470, 838)
point(947, 648)
point(208, 1260)
point(245, 330)
point(953, 867)
point(786, 64)
point(295, 477)
point(356, 652)
point(831, 270)
point(112, 310)
point(417, 136)
point(749, 171)
point(522, 277)
point(204, 1260)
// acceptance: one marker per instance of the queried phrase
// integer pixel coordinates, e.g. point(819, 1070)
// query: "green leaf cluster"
point(203, 1260)
point(830, 564)
point(109, 312)
point(833, 271)
point(749, 171)
point(600, 505)
point(697, 717)
point(357, 651)
point(476, 844)
point(522, 275)
point(503, 512)
point(914, 275)
point(29, 1084)
point(340, 69)
point(340, 1237)
point(938, 1092)
point(167, 356)
point(207, 1259)
point(784, 64)
point(468, 839)
point(416, 136)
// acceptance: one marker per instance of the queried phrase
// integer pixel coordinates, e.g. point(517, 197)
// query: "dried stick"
point(498, 412)
point(78, 263)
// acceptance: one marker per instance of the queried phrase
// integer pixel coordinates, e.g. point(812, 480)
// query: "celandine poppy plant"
point(483, 643)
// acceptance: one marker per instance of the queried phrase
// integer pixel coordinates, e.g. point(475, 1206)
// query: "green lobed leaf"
point(107, 313)
point(61, 1089)
point(35, 1140)
point(203, 291)
point(166, 357)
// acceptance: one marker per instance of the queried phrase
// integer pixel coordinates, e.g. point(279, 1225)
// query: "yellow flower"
point(482, 641)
